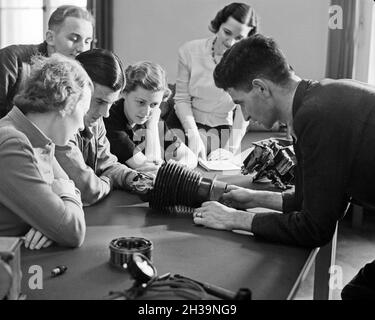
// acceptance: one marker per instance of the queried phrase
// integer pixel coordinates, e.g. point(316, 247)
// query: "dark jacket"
point(334, 122)
point(15, 63)
point(123, 138)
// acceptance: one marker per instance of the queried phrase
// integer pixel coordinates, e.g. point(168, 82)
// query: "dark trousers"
point(362, 286)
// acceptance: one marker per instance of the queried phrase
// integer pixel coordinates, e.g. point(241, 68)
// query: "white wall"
point(154, 29)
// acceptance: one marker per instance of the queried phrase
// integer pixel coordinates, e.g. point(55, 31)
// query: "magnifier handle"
point(212, 289)
point(219, 292)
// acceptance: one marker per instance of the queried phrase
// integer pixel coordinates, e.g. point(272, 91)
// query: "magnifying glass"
point(141, 268)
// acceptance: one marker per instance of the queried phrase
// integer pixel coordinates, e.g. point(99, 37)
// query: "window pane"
point(18, 4)
point(371, 79)
point(52, 5)
point(21, 22)
point(56, 3)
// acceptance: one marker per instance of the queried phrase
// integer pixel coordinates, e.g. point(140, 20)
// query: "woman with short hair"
point(133, 125)
point(36, 195)
point(201, 109)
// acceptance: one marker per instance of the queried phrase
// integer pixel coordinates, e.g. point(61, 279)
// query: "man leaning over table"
point(70, 32)
point(333, 125)
point(87, 158)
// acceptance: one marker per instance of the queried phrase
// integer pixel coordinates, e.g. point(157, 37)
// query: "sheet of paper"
point(218, 165)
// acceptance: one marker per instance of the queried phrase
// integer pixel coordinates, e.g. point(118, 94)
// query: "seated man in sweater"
point(87, 159)
point(333, 124)
point(70, 31)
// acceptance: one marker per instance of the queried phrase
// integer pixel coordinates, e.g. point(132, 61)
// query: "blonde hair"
point(55, 83)
point(61, 13)
point(147, 75)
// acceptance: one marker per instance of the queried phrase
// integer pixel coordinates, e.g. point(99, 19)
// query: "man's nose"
point(104, 111)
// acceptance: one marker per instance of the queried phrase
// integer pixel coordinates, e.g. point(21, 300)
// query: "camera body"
point(273, 159)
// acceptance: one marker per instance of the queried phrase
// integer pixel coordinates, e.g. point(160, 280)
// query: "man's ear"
point(262, 87)
point(50, 37)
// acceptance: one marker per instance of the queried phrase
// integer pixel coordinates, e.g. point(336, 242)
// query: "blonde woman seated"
point(36, 196)
point(133, 127)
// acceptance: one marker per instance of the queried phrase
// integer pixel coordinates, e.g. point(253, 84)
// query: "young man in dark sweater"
point(70, 32)
point(333, 125)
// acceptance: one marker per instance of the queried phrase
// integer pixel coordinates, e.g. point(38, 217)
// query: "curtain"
point(341, 42)
point(102, 10)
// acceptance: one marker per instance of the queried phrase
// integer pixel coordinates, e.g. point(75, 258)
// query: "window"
point(363, 67)
point(371, 74)
point(25, 21)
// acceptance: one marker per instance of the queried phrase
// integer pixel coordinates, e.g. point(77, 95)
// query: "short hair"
point(104, 68)
point(251, 58)
point(241, 12)
point(147, 75)
point(61, 13)
point(55, 83)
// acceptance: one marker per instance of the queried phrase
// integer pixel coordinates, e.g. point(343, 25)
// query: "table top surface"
point(228, 259)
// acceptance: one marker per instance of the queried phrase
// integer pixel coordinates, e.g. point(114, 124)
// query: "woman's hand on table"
point(197, 146)
point(35, 240)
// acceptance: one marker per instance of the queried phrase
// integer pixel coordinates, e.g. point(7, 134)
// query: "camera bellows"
point(178, 189)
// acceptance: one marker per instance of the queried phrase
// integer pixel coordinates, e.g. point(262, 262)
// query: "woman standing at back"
point(201, 109)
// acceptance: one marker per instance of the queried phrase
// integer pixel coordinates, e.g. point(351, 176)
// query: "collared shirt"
point(125, 139)
point(89, 163)
point(28, 197)
point(15, 64)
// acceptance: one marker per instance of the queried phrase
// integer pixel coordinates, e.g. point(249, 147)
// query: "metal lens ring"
point(141, 268)
point(122, 249)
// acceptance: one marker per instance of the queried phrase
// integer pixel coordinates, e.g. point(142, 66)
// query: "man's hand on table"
point(240, 198)
point(243, 198)
point(215, 215)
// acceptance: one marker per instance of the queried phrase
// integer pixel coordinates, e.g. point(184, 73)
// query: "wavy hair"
point(55, 83)
point(241, 12)
point(147, 75)
point(61, 13)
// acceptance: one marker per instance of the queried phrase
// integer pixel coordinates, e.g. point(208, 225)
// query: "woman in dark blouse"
point(134, 127)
